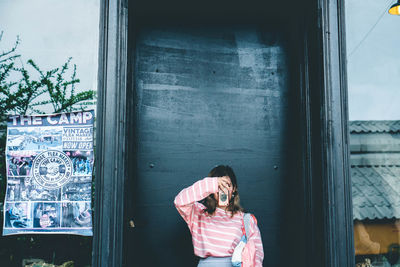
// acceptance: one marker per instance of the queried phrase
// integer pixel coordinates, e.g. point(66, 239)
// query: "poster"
point(49, 162)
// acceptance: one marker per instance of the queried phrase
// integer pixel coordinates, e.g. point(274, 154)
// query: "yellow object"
point(395, 9)
point(375, 238)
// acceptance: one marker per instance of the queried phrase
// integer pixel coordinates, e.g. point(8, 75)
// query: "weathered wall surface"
point(208, 97)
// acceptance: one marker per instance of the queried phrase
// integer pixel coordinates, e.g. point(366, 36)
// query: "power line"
point(370, 30)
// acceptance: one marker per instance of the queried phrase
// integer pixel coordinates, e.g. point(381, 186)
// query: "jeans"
point(215, 262)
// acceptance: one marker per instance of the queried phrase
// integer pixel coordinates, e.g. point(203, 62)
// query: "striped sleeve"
point(255, 237)
point(186, 199)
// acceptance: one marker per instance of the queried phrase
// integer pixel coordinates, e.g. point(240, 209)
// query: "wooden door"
point(203, 97)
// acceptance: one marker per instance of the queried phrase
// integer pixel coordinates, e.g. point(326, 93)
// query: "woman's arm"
point(255, 237)
point(185, 200)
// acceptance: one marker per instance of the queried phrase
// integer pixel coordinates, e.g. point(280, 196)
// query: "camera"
point(223, 198)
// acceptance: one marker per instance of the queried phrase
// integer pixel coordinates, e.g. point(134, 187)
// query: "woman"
point(23, 166)
point(216, 229)
point(13, 167)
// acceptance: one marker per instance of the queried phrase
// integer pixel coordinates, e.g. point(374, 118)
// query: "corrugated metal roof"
point(376, 192)
point(374, 126)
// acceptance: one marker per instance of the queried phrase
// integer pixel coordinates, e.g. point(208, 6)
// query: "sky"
point(373, 68)
point(51, 31)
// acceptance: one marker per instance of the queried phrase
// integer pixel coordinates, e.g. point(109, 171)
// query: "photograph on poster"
point(19, 166)
point(18, 189)
point(82, 162)
point(46, 215)
point(76, 214)
point(35, 192)
point(25, 189)
point(17, 215)
point(13, 190)
point(34, 138)
point(77, 191)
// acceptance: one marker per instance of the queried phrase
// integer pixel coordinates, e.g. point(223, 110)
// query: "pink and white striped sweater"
point(215, 235)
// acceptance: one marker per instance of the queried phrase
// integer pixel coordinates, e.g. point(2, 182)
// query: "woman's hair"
point(234, 203)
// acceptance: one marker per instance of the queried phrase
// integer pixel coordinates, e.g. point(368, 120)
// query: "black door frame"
point(323, 96)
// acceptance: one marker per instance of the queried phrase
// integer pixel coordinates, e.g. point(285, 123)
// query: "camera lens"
point(222, 196)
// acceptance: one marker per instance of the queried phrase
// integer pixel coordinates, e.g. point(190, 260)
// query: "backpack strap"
point(246, 220)
point(246, 223)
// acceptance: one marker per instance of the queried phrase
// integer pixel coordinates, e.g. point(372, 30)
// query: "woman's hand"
point(224, 183)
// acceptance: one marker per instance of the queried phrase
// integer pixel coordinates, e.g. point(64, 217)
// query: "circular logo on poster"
point(52, 169)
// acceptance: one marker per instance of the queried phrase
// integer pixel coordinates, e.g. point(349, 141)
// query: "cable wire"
point(370, 30)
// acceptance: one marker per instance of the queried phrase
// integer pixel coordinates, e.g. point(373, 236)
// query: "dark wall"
point(209, 11)
point(215, 85)
point(206, 96)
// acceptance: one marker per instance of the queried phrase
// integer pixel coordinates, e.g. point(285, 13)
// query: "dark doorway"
point(307, 213)
point(205, 96)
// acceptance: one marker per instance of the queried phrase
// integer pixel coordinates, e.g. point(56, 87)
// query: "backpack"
point(244, 254)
